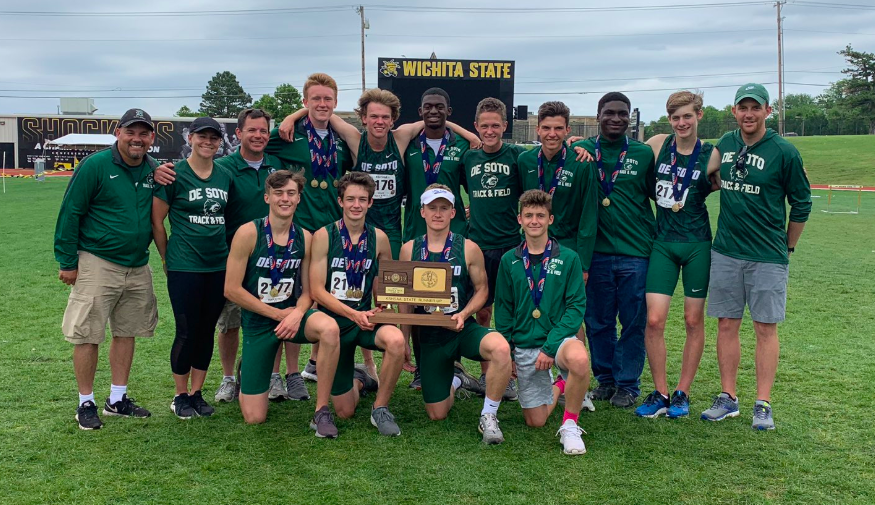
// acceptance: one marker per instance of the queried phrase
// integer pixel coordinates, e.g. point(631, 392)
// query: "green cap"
point(752, 90)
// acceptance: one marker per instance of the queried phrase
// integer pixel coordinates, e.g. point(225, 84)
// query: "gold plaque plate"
point(390, 290)
point(429, 279)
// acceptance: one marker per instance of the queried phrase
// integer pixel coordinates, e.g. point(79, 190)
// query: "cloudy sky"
point(158, 55)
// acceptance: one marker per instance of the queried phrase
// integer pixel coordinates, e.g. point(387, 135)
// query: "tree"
point(284, 101)
point(184, 111)
point(224, 96)
point(801, 112)
point(860, 86)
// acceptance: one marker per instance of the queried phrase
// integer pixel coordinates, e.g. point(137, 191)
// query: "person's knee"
point(329, 335)
point(655, 322)
point(344, 410)
point(393, 342)
point(693, 321)
point(765, 331)
point(437, 414)
point(534, 420)
point(498, 349)
point(254, 416)
point(577, 363)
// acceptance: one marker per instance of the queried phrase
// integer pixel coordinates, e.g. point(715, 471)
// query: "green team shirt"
point(106, 211)
point(246, 193)
point(318, 206)
point(494, 185)
point(451, 175)
point(257, 279)
point(562, 304)
point(462, 288)
point(625, 227)
point(197, 219)
point(575, 206)
point(753, 215)
point(691, 223)
point(387, 169)
point(335, 280)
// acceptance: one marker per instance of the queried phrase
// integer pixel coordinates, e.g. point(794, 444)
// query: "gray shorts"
point(734, 282)
point(535, 386)
point(229, 319)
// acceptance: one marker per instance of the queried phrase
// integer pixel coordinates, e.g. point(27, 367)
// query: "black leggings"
point(197, 299)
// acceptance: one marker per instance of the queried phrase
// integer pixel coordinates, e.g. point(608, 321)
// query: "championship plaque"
point(414, 283)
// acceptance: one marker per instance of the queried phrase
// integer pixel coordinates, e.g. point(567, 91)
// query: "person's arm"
point(650, 178)
point(477, 274)
point(575, 306)
point(318, 276)
point(587, 227)
point(714, 169)
point(798, 191)
point(241, 248)
point(504, 300)
point(471, 137)
point(405, 134)
point(655, 142)
point(288, 327)
point(160, 209)
point(349, 133)
point(287, 127)
point(77, 199)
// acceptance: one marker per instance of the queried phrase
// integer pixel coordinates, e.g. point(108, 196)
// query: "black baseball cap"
point(136, 116)
point(204, 123)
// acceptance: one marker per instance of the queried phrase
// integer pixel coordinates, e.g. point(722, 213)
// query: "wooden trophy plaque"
point(414, 283)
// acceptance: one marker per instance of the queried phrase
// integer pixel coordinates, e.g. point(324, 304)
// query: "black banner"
point(171, 139)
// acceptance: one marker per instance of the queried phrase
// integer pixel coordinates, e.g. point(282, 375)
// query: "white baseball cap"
point(433, 194)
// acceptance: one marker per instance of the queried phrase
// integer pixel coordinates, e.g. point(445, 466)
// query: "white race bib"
point(284, 290)
point(665, 196)
point(339, 287)
point(386, 187)
point(452, 308)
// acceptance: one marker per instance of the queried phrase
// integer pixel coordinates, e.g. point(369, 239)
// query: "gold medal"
point(274, 292)
point(606, 202)
point(336, 183)
point(323, 185)
point(314, 183)
point(676, 207)
point(359, 293)
point(350, 293)
point(536, 313)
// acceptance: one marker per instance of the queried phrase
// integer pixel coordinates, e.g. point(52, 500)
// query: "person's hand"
point(288, 327)
point(585, 277)
point(513, 374)
point(408, 365)
point(476, 144)
point(164, 266)
point(362, 319)
point(283, 313)
point(583, 155)
point(543, 362)
point(287, 129)
point(68, 277)
point(574, 138)
point(164, 174)
point(468, 212)
point(459, 319)
point(715, 181)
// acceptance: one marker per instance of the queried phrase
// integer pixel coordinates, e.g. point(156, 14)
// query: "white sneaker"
point(227, 391)
point(569, 436)
point(490, 430)
point(587, 402)
point(277, 390)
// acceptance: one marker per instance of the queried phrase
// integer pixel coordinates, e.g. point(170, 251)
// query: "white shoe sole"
point(724, 416)
point(173, 409)
point(374, 423)
point(318, 435)
point(309, 376)
point(83, 427)
point(656, 414)
point(574, 452)
point(494, 441)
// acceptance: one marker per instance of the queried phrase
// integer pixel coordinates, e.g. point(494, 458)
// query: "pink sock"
point(560, 383)
point(569, 415)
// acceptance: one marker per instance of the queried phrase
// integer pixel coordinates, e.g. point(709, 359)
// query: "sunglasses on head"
point(741, 162)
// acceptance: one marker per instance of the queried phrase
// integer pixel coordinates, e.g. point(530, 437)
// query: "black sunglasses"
point(741, 162)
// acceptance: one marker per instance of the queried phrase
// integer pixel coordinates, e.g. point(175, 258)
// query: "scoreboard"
point(466, 81)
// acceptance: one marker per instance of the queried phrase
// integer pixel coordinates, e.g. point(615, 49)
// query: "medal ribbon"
point(276, 271)
point(432, 170)
point(445, 254)
point(608, 185)
point(560, 164)
point(354, 255)
point(678, 194)
point(537, 291)
point(323, 161)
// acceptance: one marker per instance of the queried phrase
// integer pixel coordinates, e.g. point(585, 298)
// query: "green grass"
point(822, 451)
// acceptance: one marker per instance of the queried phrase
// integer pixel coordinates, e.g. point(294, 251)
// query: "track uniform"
point(495, 186)
point(683, 238)
point(561, 313)
point(451, 174)
point(387, 169)
point(260, 342)
point(441, 347)
point(351, 336)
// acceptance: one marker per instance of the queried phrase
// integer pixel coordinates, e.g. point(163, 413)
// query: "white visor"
point(433, 194)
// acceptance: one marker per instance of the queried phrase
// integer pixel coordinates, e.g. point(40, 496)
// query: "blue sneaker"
point(762, 416)
point(680, 405)
point(723, 407)
point(654, 405)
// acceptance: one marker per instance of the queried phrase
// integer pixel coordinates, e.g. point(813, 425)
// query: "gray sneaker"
point(510, 393)
point(385, 422)
point(296, 388)
point(227, 391)
point(309, 372)
point(762, 416)
point(469, 382)
point(482, 381)
point(323, 423)
point(587, 402)
point(277, 390)
point(723, 407)
point(490, 430)
point(370, 385)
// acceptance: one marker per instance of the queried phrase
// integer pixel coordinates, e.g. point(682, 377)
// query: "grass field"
point(822, 451)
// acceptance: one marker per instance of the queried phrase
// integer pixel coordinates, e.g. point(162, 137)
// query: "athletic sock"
point(457, 383)
point(312, 362)
point(229, 378)
point(560, 383)
point(730, 396)
point(116, 393)
point(569, 415)
point(490, 406)
point(86, 398)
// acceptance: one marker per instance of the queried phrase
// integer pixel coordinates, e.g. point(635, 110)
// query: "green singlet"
point(335, 281)
point(690, 223)
point(387, 169)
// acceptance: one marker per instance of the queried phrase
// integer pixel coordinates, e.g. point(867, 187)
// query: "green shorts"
point(667, 261)
point(439, 349)
point(350, 338)
point(260, 345)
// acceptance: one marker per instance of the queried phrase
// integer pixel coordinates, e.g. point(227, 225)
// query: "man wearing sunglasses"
point(758, 172)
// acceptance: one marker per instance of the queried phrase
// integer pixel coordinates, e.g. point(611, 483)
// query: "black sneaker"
point(86, 415)
point(124, 408)
point(370, 384)
point(623, 399)
point(603, 393)
point(200, 406)
point(416, 383)
point(181, 406)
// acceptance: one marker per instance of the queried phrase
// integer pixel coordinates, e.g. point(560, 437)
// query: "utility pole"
point(361, 10)
point(778, 4)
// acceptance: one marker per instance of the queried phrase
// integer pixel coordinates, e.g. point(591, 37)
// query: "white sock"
point(86, 398)
point(457, 382)
point(229, 378)
point(116, 392)
point(275, 374)
point(490, 406)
